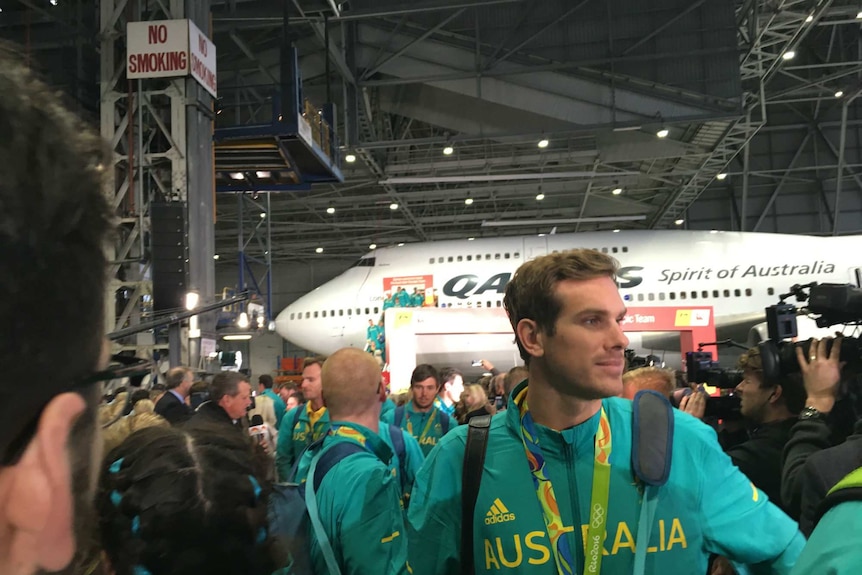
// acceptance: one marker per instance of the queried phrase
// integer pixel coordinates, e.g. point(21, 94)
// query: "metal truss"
point(145, 127)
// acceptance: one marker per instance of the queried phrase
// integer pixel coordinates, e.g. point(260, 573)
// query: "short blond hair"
point(350, 383)
point(654, 378)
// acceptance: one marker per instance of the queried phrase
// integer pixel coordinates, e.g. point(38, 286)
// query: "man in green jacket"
point(558, 493)
point(359, 498)
point(264, 387)
point(305, 423)
point(420, 417)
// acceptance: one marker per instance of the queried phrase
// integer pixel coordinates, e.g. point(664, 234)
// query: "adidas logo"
point(498, 514)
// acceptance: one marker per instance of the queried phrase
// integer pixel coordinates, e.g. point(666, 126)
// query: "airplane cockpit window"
point(365, 263)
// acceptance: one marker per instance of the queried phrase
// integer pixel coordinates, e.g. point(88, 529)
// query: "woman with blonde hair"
point(474, 401)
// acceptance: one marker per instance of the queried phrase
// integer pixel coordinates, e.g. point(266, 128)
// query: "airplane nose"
point(283, 323)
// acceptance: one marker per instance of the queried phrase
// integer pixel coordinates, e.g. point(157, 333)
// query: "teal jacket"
point(707, 506)
point(278, 405)
point(359, 506)
point(387, 410)
point(416, 423)
point(414, 458)
point(292, 440)
point(834, 547)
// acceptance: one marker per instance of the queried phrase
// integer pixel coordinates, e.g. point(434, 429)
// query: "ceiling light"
point(319, 250)
point(789, 55)
point(263, 214)
point(713, 231)
point(53, 2)
point(617, 191)
point(859, 15)
point(237, 337)
point(237, 176)
point(809, 18)
point(330, 210)
point(721, 176)
point(540, 196)
point(470, 239)
point(541, 235)
point(448, 151)
point(663, 133)
point(543, 143)
point(468, 201)
point(616, 231)
point(192, 299)
point(242, 321)
point(263, 174)
point(393, 206)
point(350, 158)
point(372, 247)
point(839, 93)
point(679, 222)
point(401, 244)
point(215, 257)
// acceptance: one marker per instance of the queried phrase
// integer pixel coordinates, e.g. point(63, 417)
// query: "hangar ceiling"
point(756, 140)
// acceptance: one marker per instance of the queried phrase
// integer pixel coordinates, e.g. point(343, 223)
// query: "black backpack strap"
point(471, 479)
point(297, 413)
point(652, 437)
point(331, 457)
point(444, 421)
point(399, 416)
point(397, 436)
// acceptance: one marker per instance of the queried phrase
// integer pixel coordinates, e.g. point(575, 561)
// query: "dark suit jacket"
point(822, 471)
point(172, 409)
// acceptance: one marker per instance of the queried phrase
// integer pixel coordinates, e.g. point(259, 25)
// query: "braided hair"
point(174, 501)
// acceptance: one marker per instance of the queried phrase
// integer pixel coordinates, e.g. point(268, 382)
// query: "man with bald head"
point(359, 496)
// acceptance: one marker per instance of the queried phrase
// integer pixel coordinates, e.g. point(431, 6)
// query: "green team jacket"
point(418, 420)
point(707, 506)
point(834, 547)
point(293, 439)
point(359, 506)
point(414, 458)
point(278, 405)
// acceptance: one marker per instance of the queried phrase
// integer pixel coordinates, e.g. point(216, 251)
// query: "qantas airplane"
point(736, 273)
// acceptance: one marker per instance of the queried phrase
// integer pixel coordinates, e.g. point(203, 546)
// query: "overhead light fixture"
point(713, 231)
point(242, 321)
point(484, 178)
point(859, 15)
point(319, 250)
point(470, 239)
point(330, 210)
point(540, 196)
point(372, 247)
point(448, 150)
point(663, 133)
point(216, 256)
point(237, 337)
point(721, 176)
point(350, 158)
point(53, 2)
point(393, 206)
point(237, 176)
point(789, 55)
point(679, 222)
point(400, 244)
point(839, 93)
point(468, 201)
point(263, 214)
point(810, 18)
point(617, 191)
point(555, 221)
point(617, 230)
point(541, 235)
point(263, 174)
point(192, 299)
point(543, 143)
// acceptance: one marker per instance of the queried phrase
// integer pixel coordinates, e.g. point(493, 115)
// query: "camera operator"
point(769, 409)
point(812, 466)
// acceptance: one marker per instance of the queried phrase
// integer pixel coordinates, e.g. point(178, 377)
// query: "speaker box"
point(169, 255)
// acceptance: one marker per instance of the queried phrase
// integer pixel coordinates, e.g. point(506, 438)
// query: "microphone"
point(256, 419)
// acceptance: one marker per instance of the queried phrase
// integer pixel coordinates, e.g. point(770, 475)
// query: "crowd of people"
point(221, 477)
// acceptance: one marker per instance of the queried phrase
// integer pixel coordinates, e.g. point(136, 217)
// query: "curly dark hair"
point(174, 501)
